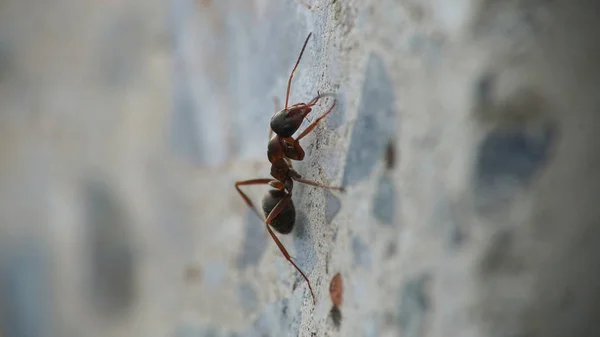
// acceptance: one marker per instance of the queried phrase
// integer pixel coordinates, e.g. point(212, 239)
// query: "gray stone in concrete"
point(26, 288)
point(513, 155)
point(247, 296)
point(304, 243)
point(255, 241)
point(361, 253)
point(384, 201)
point(337, 117)
point(112, 265)
point(375, 125)
point(333, 206)
point(414, 306)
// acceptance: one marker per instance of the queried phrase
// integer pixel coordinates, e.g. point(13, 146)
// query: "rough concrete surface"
point(464, 134)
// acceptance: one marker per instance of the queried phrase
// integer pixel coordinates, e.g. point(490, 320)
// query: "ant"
point(277, 204)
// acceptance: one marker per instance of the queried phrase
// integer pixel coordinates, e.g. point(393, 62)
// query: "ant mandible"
point(277, 204)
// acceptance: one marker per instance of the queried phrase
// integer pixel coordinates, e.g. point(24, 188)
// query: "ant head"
point(287, 121)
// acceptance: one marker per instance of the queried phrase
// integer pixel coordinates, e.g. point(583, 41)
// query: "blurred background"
point(464, 134)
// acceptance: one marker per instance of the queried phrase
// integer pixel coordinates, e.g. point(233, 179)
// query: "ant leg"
point(316, 184)
point(287, 94)
point(255, 182)
point(245, 197)
point(272, 215)
point(314, 124)
point(289, 258)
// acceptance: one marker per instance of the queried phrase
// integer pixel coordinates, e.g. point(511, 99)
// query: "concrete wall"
point(464, 134)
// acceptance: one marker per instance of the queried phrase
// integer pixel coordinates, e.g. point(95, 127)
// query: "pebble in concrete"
point(112, 265)
point(508, 160)
point(25, 291)
point(384, 201)
point(247, 296)
point(255, 241)
point(337, 117)
point(414, 306)
point(305, 254)
point(515, 155)
point(375, 125)
point(333, 206)
point(361, 252)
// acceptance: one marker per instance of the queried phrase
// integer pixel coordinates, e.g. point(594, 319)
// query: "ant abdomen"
point(284, 221)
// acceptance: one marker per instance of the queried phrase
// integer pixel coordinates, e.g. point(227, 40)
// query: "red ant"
point(277, 204)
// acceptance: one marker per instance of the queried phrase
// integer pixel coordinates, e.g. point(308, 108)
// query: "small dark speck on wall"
point(390, 155)
point(336, 316)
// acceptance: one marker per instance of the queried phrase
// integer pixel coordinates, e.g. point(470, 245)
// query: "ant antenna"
point(287, 94)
